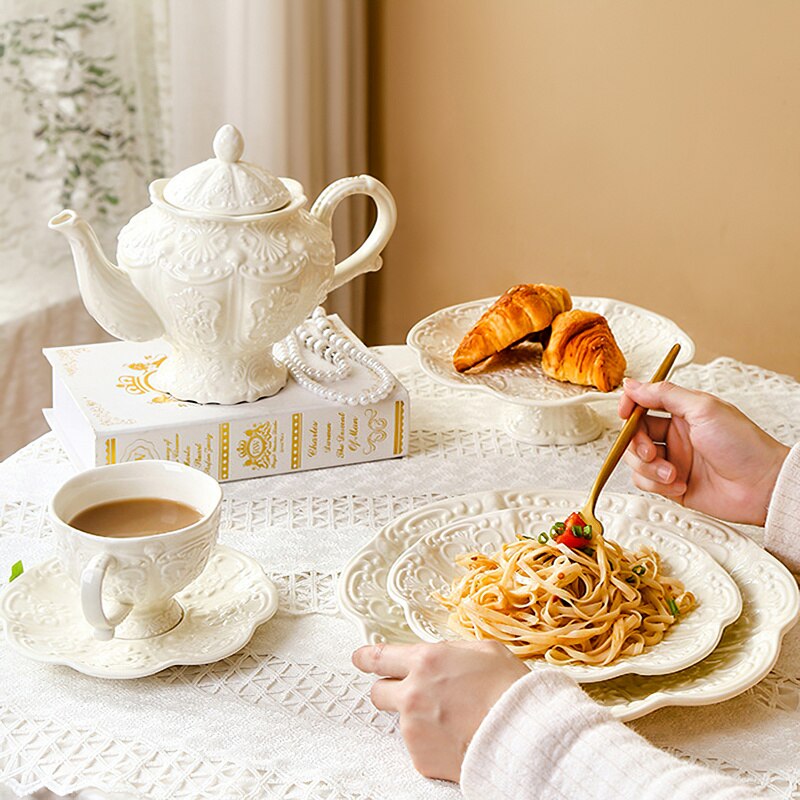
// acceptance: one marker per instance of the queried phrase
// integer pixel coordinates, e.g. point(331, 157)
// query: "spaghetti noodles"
point(589, 604)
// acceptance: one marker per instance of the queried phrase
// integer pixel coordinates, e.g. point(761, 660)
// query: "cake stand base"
point(570, 424)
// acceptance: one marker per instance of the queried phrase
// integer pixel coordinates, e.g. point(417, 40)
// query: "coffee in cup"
point(152, 527)
point(135, 516)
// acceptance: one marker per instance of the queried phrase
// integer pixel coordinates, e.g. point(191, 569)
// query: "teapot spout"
point(107, 291)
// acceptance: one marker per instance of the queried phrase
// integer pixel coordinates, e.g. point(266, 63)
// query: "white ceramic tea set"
point(130, 607)
point(224, 264)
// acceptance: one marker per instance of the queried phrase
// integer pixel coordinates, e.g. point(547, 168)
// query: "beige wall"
point(645, 150)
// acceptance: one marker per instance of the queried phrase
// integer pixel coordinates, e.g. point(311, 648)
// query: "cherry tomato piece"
point(568, 537)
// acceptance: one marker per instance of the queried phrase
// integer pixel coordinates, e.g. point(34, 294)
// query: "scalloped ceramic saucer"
point(222, 608)
point(429, 566)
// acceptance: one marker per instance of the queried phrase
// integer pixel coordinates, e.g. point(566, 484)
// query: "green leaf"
point(16, 571)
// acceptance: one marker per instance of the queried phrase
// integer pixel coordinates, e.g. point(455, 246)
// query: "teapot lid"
point(226, 185)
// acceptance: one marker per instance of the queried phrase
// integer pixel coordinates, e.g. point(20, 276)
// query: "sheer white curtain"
point(292, 75)
point(81, 93)
point(98, 97)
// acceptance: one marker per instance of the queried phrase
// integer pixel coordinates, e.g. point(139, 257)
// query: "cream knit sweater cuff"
point(545, 739)
point(782, 537)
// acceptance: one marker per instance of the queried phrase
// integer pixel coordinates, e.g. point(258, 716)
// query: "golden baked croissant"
point(522, 310)
point(583, 350)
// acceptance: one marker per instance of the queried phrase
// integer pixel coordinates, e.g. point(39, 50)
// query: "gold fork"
point(620, 444)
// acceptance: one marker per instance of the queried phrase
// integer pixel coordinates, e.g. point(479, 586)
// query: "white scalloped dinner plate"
point(746, 653)
point(429, 566)
point(516, 375)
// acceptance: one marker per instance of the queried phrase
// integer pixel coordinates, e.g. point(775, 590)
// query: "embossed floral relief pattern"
point(264, 242)
point(201, 241)
point(141, 240)
point(196, 316)
point(272, 313)
point(286, 246)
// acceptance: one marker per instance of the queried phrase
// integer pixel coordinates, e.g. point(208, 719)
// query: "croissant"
point(521, 311)
point(583, 350)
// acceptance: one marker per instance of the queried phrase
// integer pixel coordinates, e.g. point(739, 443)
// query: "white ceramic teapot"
point(223, 264)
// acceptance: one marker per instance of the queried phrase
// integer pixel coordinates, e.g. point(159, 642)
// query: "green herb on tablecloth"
point(16, 570)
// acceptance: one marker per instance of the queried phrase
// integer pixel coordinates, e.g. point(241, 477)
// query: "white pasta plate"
point(746, 653)
point(540, 409)
point(428, 566)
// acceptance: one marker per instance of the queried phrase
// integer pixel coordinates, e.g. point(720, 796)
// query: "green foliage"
point(83, 111)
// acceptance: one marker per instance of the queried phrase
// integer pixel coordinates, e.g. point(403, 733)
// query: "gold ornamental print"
point(399, 417)
point(138, 382)
point(297, 440)
point(224, 450)
point(257, 449)
point(377, 430)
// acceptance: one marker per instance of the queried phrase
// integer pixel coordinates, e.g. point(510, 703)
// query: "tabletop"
point(288, 716)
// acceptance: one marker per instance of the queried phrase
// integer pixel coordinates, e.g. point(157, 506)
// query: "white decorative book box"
point(108, 408)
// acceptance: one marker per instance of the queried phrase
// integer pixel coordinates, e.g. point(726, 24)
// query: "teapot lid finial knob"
point(225, 185)
point(228, 144)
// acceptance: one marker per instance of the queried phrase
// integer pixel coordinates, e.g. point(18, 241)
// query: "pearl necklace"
point(317, 335)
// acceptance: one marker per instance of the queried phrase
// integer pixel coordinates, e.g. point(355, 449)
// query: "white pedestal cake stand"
point(538, 409)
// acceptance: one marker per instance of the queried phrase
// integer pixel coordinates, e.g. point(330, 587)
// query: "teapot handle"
point(367, 257)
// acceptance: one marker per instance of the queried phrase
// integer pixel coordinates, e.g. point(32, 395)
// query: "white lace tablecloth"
point(288, 716)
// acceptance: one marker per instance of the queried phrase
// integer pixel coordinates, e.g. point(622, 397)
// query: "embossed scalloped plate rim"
point(587, 395)
point(461, 507)
point(265, 586)
point(717, 609)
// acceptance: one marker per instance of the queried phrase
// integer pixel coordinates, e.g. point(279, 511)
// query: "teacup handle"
point(367, 257)
point(92, 598)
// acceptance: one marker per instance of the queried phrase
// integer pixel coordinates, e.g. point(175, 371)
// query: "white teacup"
point(128, 584)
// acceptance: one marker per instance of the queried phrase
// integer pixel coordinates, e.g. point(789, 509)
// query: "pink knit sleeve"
point(545, 739)
point(782, 538)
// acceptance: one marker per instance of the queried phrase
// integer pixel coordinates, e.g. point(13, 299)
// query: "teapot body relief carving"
point(224, 263)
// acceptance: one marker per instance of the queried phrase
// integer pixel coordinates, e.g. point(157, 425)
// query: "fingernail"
point(643, 452)
point(664, 472)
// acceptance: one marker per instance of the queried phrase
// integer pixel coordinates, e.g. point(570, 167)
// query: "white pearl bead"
point(318, 336)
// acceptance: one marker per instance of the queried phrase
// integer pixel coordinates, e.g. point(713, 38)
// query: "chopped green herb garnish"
point(673, 607)
point(639, 570)
point(560, 527)
point(543, 537)
point(588, 550)
point(630, 579)
point(587, 531)
point(16, 571)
